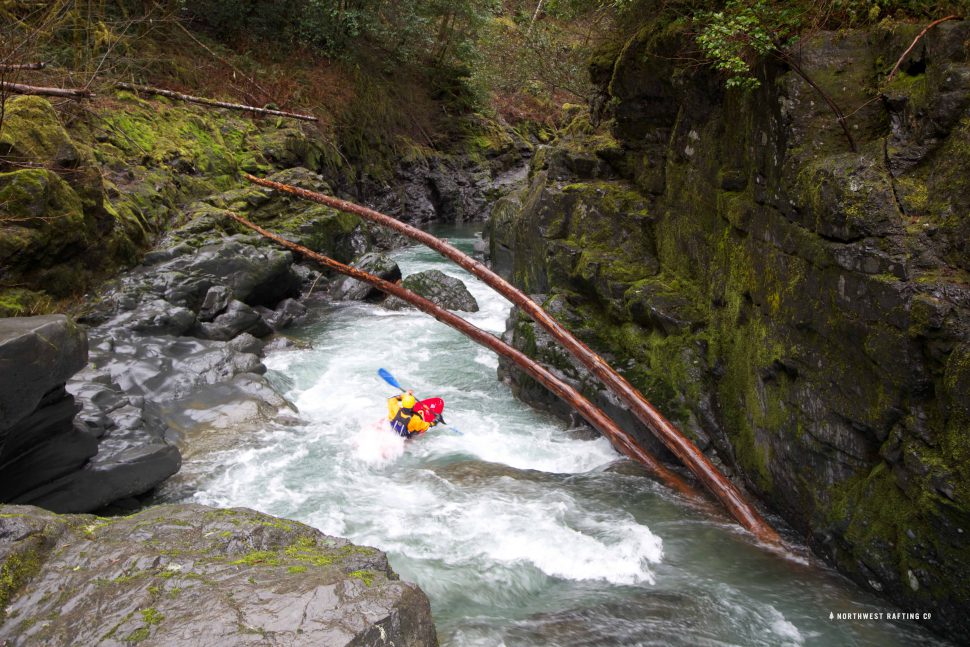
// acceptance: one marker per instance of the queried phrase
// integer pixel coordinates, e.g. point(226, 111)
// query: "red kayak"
point(430, 408)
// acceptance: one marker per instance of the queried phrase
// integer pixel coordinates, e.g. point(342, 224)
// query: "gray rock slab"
point(192, 575)
point(36, 355)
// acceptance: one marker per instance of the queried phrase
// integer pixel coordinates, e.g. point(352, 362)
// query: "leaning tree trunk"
point(574, 398)
point(719, 485)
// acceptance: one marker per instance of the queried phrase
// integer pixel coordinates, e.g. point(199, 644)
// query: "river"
point(522, 532)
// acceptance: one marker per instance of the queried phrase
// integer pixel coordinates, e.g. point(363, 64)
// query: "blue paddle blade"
point(385, 374)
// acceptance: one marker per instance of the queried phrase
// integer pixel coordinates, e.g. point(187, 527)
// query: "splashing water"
point(518, 531)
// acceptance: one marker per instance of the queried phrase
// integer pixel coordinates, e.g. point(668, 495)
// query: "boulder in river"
point(189, 574)
point(349, 289)
point(439, 288)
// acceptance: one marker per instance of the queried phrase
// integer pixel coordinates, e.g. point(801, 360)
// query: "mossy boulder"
point(188, 573)
point(33, 134)
point(42, 221)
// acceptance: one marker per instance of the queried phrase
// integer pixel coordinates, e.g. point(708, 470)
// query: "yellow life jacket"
point(402, 420)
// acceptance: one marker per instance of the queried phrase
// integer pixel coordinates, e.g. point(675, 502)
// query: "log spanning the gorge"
point(171, 94)
point(688, 453)
point(594, 415)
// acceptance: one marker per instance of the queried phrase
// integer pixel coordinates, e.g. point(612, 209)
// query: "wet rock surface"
point(115, 448)
point(188, 574)
point(346, 288)
point(445, 291)
point(451, 188)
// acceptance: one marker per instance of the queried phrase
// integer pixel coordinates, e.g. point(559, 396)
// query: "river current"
point(520, 530)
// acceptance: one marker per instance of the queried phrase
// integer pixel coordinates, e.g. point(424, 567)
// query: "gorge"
point(794, 301)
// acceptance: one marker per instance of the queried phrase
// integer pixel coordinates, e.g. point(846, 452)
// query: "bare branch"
point(146, 89)
point(913, 44)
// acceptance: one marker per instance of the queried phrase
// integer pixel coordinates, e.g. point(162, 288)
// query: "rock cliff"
point(798, 306)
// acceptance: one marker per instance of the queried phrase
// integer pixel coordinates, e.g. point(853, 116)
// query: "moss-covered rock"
point(42, 221)
point(187, 573)
point(32, 133)
point(98, 196)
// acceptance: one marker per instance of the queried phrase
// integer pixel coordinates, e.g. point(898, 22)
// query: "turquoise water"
point(520, 531)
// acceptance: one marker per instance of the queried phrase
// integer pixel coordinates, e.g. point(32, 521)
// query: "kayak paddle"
point(386, 375)
point(450, 428)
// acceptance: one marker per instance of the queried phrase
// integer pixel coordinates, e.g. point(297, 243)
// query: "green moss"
point(151, 616)
point(32, 133)
point(305, 550)
point(17, 302)
point(266, 557)
point(15, 571)
point(367, 577)
point(138, 635)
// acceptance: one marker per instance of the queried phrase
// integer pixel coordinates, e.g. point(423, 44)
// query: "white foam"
point(376, 444)
point(784, 629)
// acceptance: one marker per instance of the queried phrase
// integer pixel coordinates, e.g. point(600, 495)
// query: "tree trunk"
point(702, 468)
point(587, 409)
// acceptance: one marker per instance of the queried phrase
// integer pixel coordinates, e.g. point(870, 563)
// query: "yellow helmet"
point(407, 401)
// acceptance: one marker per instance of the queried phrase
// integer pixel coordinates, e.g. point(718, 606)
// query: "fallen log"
point(68, 93)
point(147, 89)
point(723, 489)
point(574, 398)
point(13, 67)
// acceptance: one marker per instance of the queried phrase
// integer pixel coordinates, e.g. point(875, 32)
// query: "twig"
point(145, 89)
point(913, 44)
point(69, 93)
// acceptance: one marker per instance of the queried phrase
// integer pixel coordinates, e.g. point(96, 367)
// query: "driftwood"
point(13, 67)
point(913, 44)
point(688, 453)
point(147, 89)
point(574, 398)
point(68, 93)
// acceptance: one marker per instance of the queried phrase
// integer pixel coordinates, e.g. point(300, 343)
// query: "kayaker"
point(405, 421)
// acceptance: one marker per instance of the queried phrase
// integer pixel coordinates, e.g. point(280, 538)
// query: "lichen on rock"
point(188, 573)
